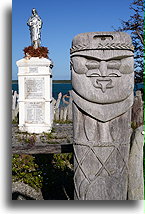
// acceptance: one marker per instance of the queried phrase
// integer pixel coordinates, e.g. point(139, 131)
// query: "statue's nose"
point(104, 84)
point(103, 68)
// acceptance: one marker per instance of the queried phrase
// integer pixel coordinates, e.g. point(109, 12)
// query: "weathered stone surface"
point(137, 110)
point(136, 179)
point(69, 107)
point(22, 191)
point(15, 105)
point(60, 141)
point(61, 113)
point(65, 114)
point(103, 82)
point(63, 107)
point(56, 108)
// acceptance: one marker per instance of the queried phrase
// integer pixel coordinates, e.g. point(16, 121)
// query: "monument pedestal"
point(35, 95)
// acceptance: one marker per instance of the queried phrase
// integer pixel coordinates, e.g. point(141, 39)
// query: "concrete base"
point(38, 129)
point(35, 95)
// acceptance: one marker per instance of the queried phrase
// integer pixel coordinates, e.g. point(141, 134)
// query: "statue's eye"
point(114, 75)
point(114, 64)
point(92, 64)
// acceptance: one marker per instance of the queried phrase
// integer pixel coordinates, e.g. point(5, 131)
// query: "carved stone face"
point(103, 76)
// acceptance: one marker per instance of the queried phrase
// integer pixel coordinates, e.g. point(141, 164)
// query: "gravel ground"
point(61, 133)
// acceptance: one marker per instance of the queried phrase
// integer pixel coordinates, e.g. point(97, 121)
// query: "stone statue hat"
point(102, 41)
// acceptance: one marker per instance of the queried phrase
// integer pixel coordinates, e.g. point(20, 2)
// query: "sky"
point(102, 18)
point(62, 20)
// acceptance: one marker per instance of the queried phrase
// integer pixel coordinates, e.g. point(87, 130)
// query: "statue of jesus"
point(35, 25)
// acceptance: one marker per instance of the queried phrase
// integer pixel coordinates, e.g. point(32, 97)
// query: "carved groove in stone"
point(100, 46)
point(92, 149)
point(87, 181)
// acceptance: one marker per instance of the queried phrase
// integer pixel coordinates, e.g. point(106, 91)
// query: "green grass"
point(62, 121)
point(46, 172)
point(144, 155)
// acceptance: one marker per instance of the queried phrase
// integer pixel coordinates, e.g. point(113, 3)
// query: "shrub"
point(24, 169)
point(38, 52)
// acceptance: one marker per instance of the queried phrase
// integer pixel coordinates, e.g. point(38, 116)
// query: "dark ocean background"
point(56, 88)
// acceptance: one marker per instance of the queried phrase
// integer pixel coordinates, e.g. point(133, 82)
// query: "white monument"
point(35, 93)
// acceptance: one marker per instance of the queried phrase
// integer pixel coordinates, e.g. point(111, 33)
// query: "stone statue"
point(102, 66)
point(35, 25)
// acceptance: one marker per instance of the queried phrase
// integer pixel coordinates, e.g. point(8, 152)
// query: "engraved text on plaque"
point(35, 112)
point(34, 88)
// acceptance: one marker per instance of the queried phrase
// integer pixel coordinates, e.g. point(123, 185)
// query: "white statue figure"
point(35, 25)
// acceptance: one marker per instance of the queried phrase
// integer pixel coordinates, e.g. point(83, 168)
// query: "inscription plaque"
point(33, 69)
point(35, 112)
point(34, 88)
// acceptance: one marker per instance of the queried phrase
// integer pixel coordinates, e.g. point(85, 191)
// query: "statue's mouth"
point(103, 83)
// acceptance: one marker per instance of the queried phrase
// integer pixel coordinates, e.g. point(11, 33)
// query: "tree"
point(135, 25)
